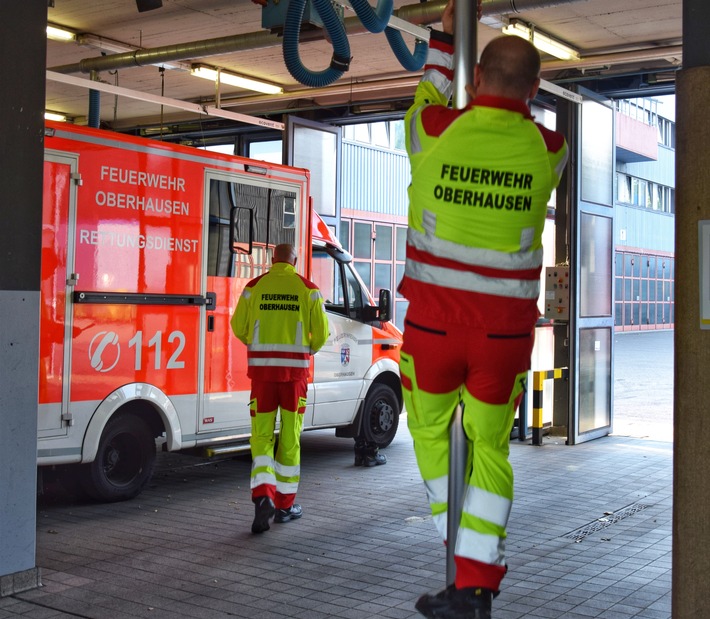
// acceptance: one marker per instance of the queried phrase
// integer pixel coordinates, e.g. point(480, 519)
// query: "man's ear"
point(476, 76)
point(534, 89)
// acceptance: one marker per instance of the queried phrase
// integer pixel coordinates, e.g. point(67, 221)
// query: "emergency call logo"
point(344, 355)
point(104, 351)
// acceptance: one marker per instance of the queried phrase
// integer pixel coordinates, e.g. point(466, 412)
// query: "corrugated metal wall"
point(374, 180)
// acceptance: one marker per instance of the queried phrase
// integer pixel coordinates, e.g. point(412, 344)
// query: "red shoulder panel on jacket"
point(437, 118)
point(553, 139)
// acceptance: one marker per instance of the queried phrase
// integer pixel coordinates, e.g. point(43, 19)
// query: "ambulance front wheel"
point(380, 416)
point(124, 461)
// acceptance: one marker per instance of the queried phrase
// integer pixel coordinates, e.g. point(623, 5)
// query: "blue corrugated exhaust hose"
point(374, 20)
point(94, 108)
point(339, 62)
point(412, 61)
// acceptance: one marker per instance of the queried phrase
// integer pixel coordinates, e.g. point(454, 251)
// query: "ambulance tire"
point(380, 416)
point(124, 461)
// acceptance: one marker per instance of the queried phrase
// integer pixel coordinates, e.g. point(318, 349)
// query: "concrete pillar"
point(691, 495)
point(21, 110)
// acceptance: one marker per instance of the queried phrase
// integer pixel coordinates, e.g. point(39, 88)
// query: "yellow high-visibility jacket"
point(281, 318)
point(481, 179)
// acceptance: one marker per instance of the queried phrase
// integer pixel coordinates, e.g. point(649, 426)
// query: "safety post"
point(539, 378)
point(465, 57)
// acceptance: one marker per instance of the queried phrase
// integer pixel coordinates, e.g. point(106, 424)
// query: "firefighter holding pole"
point(482, 175)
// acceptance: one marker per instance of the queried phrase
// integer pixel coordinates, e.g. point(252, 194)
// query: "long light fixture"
point(225, 77)
point(60, 34)
point(543, 42)
point(56, 116)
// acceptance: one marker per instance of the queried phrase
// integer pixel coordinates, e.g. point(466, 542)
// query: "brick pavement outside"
point(589, 536)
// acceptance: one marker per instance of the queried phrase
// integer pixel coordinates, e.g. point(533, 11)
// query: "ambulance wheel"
point(380, 416)
point(124, 462)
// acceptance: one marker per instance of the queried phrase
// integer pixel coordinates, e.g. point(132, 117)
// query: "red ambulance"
point(146, 248)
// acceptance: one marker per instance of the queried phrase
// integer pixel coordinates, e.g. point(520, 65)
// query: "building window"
point(666, 132)
point(383, 267)
point(644, 292)
point(639, 192)
point(387, 134)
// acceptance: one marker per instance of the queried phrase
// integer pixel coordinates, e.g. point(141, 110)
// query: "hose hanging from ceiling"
point(374, 20)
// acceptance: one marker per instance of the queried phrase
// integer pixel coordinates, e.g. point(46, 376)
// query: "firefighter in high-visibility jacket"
point(481, 178)
point(281, 318)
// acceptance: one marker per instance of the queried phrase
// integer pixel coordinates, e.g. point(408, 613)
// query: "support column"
point(691, 484)
point(21, 110)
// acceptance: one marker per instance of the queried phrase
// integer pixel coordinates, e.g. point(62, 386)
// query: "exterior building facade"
point(644, 218)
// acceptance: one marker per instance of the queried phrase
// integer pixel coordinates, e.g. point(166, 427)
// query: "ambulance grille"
point(605, 521)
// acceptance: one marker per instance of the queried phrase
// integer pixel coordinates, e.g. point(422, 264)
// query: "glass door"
point(592, 274)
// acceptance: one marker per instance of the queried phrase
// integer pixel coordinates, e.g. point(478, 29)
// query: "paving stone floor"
point(589, 536)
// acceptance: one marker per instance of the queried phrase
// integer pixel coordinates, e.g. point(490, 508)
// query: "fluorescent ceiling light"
point(60, 34)
point(55, 116)
point(232, 79)
point(543, 42)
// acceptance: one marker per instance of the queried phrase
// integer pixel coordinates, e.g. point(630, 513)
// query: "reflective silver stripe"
point(487, 506)
point(439, 58)
point(280, 363)
point(439, 81)
point(297, 348)
point(263, 478)
point(473, 282)
point(262, 461)
point(473, 256)
point(290, 487)
point(415, 144)
point(442, 525)
point(437, 490)
point(315, 295)
point(298, 337)
point(480, 546)
point(246, 294)
point(560, 166)
point(287, 470)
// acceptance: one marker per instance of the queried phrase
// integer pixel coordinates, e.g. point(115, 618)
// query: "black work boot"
point(263, 512)
point(373, 457)
point(452, 603)
point(360, 448)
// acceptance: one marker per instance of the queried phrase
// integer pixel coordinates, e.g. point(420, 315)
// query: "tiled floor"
point(366, 546)
point(589, 536)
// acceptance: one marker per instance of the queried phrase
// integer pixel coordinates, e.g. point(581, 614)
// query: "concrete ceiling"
point(635, 44)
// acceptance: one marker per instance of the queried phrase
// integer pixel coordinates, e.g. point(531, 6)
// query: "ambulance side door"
point(59, 203)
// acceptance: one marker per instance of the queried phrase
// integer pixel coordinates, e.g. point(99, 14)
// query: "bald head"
point(285, 252)
point(509, 67)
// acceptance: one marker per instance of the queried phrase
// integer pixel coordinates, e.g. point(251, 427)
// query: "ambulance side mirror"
point(385, 305)
point(241, 230)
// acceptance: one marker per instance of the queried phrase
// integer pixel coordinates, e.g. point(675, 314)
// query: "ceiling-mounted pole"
point(465, 58)
point(465, 48)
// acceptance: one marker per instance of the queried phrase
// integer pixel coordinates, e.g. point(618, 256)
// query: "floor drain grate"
point(605, 521)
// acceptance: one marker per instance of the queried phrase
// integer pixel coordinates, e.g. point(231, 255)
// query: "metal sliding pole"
point(465, 57)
